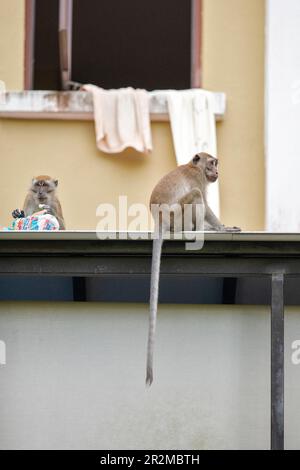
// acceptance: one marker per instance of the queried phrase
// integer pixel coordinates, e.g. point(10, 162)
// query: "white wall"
point(283, 114)
point(74, 377)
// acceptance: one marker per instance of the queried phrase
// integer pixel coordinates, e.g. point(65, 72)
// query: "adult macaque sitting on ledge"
point(42, 195)
point(184, 187)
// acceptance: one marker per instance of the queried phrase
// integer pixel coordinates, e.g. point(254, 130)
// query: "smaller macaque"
point(42, 196)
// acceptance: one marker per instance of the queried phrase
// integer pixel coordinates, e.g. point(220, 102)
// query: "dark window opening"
point(143, 44)
point(46, 69)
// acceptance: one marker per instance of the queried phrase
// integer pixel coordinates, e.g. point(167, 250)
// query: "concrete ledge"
point(140, 236)
point(77, 105)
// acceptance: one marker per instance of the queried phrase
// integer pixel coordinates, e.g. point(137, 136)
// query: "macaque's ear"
point(56, 182)
point(196, 158)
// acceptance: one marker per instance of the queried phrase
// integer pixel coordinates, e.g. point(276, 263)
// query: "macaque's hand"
point(18, 214)
point(48, 209)
point(232, 229)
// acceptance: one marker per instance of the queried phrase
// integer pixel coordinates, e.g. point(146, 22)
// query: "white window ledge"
point(77, 105)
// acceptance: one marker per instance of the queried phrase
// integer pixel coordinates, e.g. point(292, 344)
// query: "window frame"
point(65, 23)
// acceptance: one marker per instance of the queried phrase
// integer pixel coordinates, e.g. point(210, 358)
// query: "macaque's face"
point(42, 187)
point(211, 169)
point(208, 164)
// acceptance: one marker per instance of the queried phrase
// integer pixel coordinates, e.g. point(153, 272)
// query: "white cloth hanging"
point(122, 119)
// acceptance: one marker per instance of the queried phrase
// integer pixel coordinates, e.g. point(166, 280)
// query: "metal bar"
point(79, 289)
point(91, 265)
point(50, 243)
point(277, 363)
point(229, 290)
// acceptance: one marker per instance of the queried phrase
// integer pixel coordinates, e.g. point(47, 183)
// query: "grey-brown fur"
point(185, 185)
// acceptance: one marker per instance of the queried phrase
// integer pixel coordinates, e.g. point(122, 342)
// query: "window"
point(150, 44)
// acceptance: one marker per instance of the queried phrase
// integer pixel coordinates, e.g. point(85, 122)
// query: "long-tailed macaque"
point(42, 192)
point(184, 186)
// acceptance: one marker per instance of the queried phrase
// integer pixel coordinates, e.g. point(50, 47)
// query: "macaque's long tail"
point(154, 290)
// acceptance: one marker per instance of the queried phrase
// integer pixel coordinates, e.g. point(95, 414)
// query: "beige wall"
point(87, 177)
point(233, 61)
point(12, 24)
